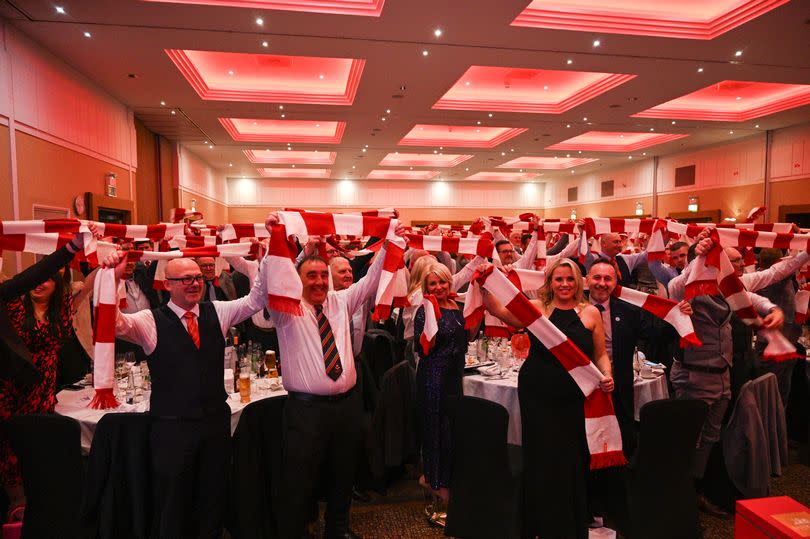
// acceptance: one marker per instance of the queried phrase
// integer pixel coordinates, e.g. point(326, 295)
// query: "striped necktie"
point(331, 356)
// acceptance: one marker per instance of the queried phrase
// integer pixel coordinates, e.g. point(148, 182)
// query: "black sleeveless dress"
point(556, 457)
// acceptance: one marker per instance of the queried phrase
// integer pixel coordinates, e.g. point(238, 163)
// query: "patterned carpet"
point(398, 514)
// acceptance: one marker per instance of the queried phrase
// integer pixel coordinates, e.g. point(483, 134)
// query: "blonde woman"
point(556, 457)
point(438, 378)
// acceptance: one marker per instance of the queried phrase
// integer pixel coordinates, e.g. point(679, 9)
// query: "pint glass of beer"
point(244, 382)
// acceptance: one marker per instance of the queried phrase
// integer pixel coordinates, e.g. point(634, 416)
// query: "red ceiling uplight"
point(732, 101)
point(607, 141)
point(295, 172)
point(692, 19)
point(368, 8)
point(423, 160)
point(290, 157)
point(256, 130)
point(402, 174)
point(546, 163)
point(234, 76)
point(510, 89)
point(464, 136)
point(503, 177)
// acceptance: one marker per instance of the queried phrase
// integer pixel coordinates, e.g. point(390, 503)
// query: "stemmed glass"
point(520, 346)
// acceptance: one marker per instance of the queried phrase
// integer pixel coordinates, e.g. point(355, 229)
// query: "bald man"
point(610, 248)
point(184, 341)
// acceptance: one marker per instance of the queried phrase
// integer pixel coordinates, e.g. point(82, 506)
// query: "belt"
point(700, 368)
point(309, 397)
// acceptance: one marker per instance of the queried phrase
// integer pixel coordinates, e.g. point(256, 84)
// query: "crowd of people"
point(181, 332)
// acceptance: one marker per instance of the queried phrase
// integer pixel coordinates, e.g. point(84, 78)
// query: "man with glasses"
point(184, 341)
point(506, 252)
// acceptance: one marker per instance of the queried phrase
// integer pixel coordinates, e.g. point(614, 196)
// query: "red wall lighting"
point(234, 76)
point(510, 89)
point(732, 101)
point(546, 163)
point(368, 8)
point(423, 159)
point(605, 141)
point(463, 136)
point(685, 19)
point(402, 174)
point(257, 130)
point(295, 172)
point(290, 157)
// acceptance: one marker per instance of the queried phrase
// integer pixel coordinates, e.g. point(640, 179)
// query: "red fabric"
point(192, 327)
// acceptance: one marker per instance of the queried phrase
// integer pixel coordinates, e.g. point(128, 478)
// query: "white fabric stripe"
point(348, 224)
point(604, 429)
point(41, 244)
point(23, 227)
point(587, 378)
point(550, 338)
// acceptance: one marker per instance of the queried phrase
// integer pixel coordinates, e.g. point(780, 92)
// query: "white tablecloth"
point(74, 404)
point(504, 392)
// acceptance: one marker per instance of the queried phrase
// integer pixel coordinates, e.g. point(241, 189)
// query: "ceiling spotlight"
point(425, 52)
point(162, 103)
point(259, 21)
point(364, 150)
point(205, 142)
point(478, 122)
point(435, 151)
point(467, 83)
point(283, 115)
point(293, 166)
point(230, 164)
point(437, 32)
point(383, 118)
point(388, 111)
point(567, 125)
point(289, 148)
point(652, 129)
point(353, 166)
point(503, 153)
point(756, 126)
point(320, 76)
point(629, 156)
point(211, 146)
point(545, 87)
point(265, 44)
point(87, 34)
point(738, 54)
point(573, 171)
point(490, 115)
point(700, 70)
point(60, 10)
point(731, 132)
point(673, 122)
point(366, 146)
point(281, 107)
point(738, 98)
point(173, 112)
point(596, 43)
point(230, 72)
point(569, 61)
point(585, 119)
point(643, 153)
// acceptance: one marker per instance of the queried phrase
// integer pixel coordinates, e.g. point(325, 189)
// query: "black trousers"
point(190, 463)
point(320, 436)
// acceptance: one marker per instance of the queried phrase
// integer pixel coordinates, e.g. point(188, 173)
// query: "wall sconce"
point(573, 214)
point(639, 208)
point(111, 184)
point(193, 204)
point(730, 219)
point(693, 204)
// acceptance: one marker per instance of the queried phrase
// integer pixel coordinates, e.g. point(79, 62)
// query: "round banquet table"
point(74, 404)
point(504, 392)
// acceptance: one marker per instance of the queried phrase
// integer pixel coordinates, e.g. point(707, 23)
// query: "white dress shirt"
point(300, 342)
point(677, 287)
point(251, 269)
point(784, 268)
point(139, 328)
point(136, 299)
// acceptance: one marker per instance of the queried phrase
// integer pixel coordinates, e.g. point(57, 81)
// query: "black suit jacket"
point(628, 328)
point(144, 276)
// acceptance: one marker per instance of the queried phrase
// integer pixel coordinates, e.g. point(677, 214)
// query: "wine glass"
point(520, 346)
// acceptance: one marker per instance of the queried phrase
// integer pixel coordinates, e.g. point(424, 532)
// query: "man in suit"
point(624, 264)
point(184, 341)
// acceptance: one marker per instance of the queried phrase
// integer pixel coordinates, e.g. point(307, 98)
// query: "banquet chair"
point(378, 350)
point(485, 487)
point(48, 449)
point(118, 495)
point(256, 471)
point(660, 487)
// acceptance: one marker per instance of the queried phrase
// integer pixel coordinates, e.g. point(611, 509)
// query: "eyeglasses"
point(187, 280)
point(504, 251)
point(206, 266)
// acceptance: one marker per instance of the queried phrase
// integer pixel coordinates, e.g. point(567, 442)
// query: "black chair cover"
point(378, 350)
point(73, 364)
point(485, 485)
point(48, 448)
point(256, 472)
point(118, 495)
point(660, 485)
point(392, 434)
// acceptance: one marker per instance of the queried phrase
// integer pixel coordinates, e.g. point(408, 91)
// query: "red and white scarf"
point(482, 246)
point(178, 215)
point(601, 426)
point(713, 274)
point(801, 302)
point(432, 315)
point(105, 299)
point(663, 308)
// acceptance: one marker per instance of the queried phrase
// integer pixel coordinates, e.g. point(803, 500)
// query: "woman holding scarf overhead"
point(556, 456)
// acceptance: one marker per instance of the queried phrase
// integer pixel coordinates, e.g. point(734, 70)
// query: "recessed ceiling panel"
point(257, 130)
point(402, 174)
point(686, 19)
point(607, 141)
point(295, 172)
point(546, 163)
point(511, 89)
point(503, 177)
point(423, 159)
point(291, 157)
point(732, 101)
point(368, 8)
point(463, 136)
point(233, 76)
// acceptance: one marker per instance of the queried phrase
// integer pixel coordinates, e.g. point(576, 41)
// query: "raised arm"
point(465, 274)
point(38, 273)
point(500, 312)
point(782, 269)
point(232, 312)
point(527, 260)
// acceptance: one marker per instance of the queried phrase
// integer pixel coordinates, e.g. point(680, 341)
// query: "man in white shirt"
point(184, 341)
point(323, 413)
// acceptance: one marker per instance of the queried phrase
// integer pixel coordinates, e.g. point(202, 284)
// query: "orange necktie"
point(193, 329)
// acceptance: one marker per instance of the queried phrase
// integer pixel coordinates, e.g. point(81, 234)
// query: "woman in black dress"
point(438, 377)
point(556, 457)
